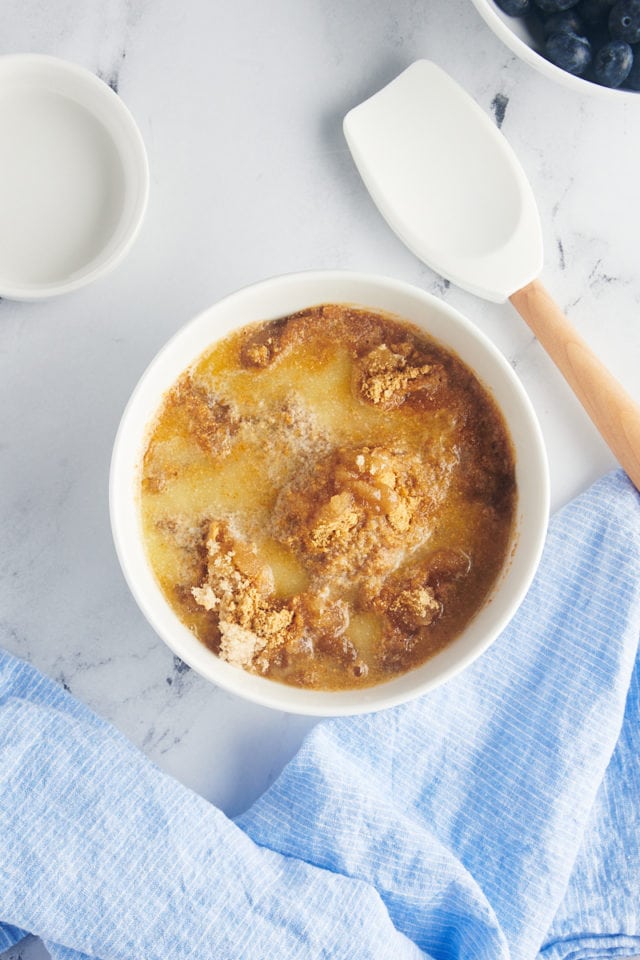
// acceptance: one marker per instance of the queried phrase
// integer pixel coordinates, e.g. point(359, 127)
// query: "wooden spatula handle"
point(612, 410)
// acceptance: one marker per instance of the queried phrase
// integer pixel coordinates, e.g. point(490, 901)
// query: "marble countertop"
point(240, 106)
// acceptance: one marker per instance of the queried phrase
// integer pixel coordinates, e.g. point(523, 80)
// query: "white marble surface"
point(240, 105)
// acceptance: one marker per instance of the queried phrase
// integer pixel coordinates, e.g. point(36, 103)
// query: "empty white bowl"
point(74, 178)
point(279, 297)
point(518, 38)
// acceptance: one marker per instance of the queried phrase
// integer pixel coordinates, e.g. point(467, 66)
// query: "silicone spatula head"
point(447, 182)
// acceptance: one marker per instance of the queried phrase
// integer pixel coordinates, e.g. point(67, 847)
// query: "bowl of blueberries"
point(590, 45)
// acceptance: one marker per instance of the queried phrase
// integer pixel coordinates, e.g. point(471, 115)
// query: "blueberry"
point(575, 28)
point(555, 6)
point(566, 22)
point(595, 11)
point(515, 8)
point(612, 63)
point(624, 21)
point(633, 77)
point(569, 52)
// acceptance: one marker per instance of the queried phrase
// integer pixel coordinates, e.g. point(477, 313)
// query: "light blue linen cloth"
point(497, 817)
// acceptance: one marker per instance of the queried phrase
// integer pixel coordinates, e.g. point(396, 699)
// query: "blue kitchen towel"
point(497, 817)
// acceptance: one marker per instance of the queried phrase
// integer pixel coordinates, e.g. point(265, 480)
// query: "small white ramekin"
point(75, 178)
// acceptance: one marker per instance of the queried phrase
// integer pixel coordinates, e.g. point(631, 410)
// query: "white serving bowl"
point(514, 33)
point(75, 177)
point(275, 298)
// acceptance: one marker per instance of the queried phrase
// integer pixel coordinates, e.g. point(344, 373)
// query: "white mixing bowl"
point(279, 297)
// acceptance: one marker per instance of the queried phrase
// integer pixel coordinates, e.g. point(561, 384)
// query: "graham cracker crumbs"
point(387, 377)
point(266, 344)
point(239, 588)
point(354, 513)
point(334, 520)
point(211, 420)
point(414, 608)
point(260, 354)
point(414, 597)
point(238, 646)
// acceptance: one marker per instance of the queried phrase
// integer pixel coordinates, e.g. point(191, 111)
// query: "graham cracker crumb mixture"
point(387, 377)
point(327, 498)
point(352, 515)
point(239, 588)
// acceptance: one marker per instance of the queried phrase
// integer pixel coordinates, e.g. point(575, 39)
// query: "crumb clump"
point(239, 587)
point(415, 608)
point(387, 376)
point(211, 420)
point(207, 420)
point(354, 513)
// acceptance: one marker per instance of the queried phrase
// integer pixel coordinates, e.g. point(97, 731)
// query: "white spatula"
point(449, 184)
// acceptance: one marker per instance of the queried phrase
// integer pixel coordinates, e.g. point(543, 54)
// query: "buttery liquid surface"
point(327, 499)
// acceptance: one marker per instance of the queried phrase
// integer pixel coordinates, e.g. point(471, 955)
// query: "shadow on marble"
point(28, 949)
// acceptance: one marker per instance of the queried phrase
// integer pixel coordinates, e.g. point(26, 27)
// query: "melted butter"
point(290, 577)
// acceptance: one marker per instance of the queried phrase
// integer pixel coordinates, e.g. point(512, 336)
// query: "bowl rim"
point(487, 10)
point(123, 509)
point(123, 132)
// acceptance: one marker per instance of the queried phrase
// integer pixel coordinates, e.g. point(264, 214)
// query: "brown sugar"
point(327, 498)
